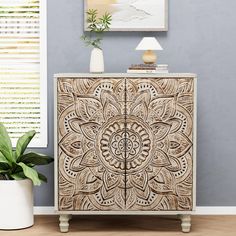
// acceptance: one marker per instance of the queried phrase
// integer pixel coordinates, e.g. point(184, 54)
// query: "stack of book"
point(148, 68)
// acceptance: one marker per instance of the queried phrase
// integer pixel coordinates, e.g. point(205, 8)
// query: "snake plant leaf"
point(30, 173)
point(23, 142)
point(35, 158)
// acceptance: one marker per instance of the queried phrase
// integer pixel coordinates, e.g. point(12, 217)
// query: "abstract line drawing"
point(132, 15)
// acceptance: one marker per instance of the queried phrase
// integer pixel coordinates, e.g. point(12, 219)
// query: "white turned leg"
point(64, 223)
point(186, 223)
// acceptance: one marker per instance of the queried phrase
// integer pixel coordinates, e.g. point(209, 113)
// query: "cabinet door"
point(159, 158)
point(91, 144)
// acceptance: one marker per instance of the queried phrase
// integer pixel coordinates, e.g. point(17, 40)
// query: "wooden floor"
point(129, 225)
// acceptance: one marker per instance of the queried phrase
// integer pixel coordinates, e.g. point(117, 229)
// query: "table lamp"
point(149, 44)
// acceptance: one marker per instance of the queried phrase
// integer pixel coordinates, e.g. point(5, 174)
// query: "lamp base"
point(149, 57)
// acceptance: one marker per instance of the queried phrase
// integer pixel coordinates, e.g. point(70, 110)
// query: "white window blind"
point(23, 91)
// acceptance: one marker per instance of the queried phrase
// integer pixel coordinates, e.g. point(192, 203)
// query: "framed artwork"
point(132, 15)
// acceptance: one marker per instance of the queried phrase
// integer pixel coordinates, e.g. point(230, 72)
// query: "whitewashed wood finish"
point(64, 223)
point(170, 76)
point(124, 75)
point(186, 223)
point(200, 211)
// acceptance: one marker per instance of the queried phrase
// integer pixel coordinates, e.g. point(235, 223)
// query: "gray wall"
point(201, 39)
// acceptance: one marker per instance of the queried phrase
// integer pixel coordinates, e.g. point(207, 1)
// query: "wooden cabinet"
point(125, 145)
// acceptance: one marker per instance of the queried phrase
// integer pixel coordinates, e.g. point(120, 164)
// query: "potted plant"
point(96, 26)
point(17, 177)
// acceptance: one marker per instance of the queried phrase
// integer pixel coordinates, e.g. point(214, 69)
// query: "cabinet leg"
point(64, 223)
point(186, 223)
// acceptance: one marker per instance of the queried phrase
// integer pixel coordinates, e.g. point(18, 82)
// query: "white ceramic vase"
point(16, 204)
point(96, 61)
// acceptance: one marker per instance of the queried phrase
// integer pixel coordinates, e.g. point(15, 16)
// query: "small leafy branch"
point(96, 27)
point(16, 164)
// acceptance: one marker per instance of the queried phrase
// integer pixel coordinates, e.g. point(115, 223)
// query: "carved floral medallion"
point(125, 144)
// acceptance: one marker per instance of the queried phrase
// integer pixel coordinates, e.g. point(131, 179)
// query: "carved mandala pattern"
point(125, 143)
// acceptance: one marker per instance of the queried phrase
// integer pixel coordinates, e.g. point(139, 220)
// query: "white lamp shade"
point(149, 43)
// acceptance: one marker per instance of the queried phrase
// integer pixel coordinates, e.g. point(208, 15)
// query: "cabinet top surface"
point(102, 75)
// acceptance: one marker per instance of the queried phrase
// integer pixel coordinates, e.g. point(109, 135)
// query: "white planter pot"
point(16, 204)
point(96, 61)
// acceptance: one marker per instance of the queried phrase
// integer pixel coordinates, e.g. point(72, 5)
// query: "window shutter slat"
point(20, 68)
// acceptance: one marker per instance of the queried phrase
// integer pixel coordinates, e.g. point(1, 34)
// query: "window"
point(23, 85)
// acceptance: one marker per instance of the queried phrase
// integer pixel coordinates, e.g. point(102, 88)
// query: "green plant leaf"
point(96, 26)
point(5, 144)
point(5, 135)
point(3, 158)
point(18, 176)
point(4, 167)
point(3, 171)
point(35, 158)
point(42, 177)
point(23, 142)
point(4, 149)
point(30, 173)
point(11, 165)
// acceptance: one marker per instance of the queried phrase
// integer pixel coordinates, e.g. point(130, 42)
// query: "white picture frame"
point(132, 15)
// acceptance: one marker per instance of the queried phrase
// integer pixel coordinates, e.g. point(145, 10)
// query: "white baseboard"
point(218, 210)
point(42, 210)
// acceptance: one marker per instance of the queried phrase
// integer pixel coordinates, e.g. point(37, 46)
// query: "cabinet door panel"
point(91, 144)
point(159, 159)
